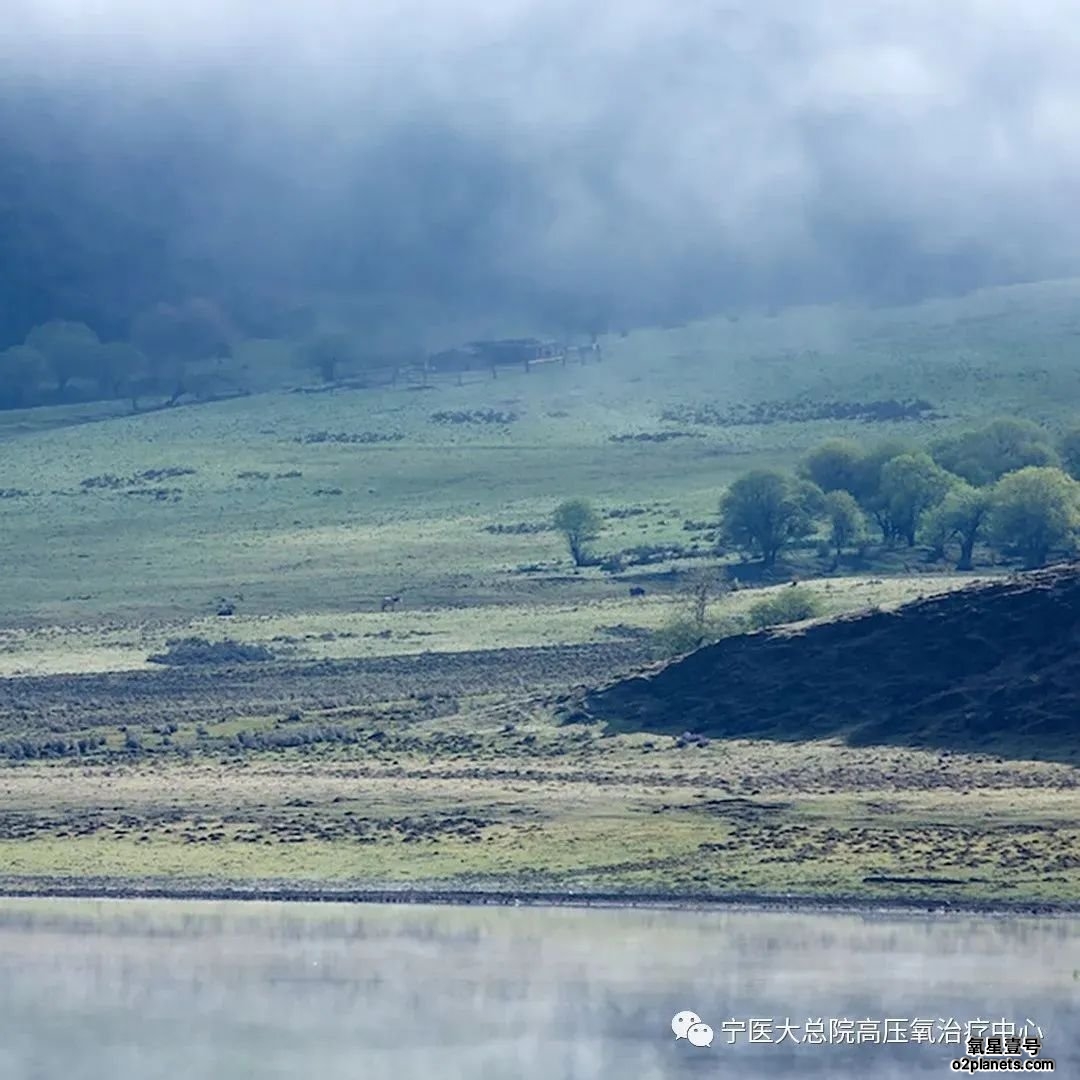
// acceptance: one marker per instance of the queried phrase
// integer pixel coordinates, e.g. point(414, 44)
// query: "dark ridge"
point(993, 668)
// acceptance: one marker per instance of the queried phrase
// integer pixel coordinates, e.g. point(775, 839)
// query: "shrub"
point(196, 650)
point(684, 634)
point(788, 605)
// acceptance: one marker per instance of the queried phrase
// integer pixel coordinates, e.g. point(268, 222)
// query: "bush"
point(196, 650)
point(684, 634)
point(785, 606)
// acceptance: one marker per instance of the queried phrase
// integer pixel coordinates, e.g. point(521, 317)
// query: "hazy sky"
point(641, 148)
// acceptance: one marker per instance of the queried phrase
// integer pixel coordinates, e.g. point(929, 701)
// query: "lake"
point(141, 990)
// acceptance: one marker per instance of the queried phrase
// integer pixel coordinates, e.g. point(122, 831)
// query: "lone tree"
point(911, 484)
point(963, 515)
point(579, 523)
point(1035, 511)
point(764, 510)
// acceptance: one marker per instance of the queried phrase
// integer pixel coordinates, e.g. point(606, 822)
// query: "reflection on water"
point(148, 990)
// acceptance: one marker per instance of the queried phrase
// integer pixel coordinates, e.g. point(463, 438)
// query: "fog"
point(635, 162)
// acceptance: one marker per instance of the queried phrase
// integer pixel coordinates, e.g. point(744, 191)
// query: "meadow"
point(419, 746)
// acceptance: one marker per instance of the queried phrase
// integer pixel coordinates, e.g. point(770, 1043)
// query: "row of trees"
point(164, 346)
point(1005, 483)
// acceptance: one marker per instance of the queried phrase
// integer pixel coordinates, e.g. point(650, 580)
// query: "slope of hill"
point(993, 668)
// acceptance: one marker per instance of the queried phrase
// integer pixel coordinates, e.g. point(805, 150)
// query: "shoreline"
point(119, 890)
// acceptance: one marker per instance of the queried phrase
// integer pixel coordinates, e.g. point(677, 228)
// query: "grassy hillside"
point(251, 502)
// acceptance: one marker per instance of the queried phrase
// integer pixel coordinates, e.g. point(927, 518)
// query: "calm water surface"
point(148, 990)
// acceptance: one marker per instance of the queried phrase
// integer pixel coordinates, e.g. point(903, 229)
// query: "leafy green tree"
point(935, 533)
point(986, 454)
point(911, 484)
point(69, 348)
point(764, 510)
point(845, 519)
point(963, 515)
point(579, 523)
point(1069, 450)
point(835, 465)
point(1035, 511)
point(868, 485)
point(21, 371)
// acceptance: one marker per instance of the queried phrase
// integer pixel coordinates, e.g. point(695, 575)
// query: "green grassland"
point(307, 532)
point(409, 516)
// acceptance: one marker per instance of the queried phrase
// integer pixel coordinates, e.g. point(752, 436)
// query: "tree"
point(868, 485)
point(327, 352)
point(962, 515)
point(985, 455)
point(21, 370)
point(173, 337)
point(702, 586)
point(1035, 511)
point(579, 523)
point(765, 509)
point(117, 364)
point(70, 348)
point(835, 465)
point(845, 519)
point(936, 533)
point(1069, 450)
point(911, 484)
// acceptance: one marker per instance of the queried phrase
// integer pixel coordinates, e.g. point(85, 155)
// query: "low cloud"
point(648, 154)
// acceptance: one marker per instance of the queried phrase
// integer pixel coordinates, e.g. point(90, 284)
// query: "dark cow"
point(636, 590)
point(390, 602)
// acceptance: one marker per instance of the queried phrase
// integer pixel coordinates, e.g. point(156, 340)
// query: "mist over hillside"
point(586, 166)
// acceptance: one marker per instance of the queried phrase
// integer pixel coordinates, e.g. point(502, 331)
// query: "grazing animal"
point(390, 602)
point(636, 590)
